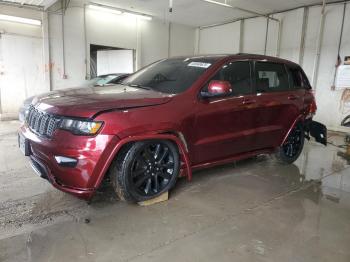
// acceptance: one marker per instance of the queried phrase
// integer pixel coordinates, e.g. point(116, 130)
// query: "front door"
point(224, 126)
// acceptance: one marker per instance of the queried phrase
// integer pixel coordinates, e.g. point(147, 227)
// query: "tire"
point(293, 146)
point(145, 170)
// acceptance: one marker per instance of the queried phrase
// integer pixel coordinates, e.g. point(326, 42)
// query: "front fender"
point(124, 141)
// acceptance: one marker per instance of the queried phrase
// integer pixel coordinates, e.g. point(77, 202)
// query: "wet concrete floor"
point(254, 210)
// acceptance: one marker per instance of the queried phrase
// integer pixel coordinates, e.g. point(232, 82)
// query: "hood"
point(87, 101)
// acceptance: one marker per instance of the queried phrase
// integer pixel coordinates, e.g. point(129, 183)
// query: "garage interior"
point(250, 210)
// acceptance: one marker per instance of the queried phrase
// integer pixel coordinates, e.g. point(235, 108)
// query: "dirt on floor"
point(252, 210)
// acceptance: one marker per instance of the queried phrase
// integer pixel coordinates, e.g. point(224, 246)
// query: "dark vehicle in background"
point(167, 119)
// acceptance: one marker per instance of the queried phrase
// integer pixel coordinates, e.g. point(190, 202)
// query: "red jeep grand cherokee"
point(167, 119)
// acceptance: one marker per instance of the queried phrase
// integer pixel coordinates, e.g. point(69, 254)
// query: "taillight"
point(312, 106)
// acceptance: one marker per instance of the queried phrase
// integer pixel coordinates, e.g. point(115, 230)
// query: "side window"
point(238, 74)
point(298, 79)
point(271, 77)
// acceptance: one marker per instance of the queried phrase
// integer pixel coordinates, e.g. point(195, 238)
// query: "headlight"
point(80, 127)
point(23, 112)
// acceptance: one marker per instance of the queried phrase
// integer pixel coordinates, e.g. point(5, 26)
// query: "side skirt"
point(232, 158)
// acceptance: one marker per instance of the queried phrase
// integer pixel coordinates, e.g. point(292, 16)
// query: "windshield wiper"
point(139, 86)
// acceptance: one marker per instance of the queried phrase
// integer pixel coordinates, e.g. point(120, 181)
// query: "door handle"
point(293, 97)
point(248, 102)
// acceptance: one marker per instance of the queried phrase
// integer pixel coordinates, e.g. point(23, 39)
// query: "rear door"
point(279, 103)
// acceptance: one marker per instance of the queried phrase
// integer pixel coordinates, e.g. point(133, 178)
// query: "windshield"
point(170, 76)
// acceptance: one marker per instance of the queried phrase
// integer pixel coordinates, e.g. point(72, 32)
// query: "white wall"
point(254, 35)
point(149, 39)
point(220, 39)
point(225, 38)
point(23, 64)
point(292, 23)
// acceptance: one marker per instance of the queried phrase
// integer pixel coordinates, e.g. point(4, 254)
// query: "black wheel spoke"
point(156, 183)
point(148, 186)
point(138, 172)
point(165, 175)
point(141, 180)
point(148, 155)
point(156, 154)
point(167, 165)
point(164, 154)
point(141, 160)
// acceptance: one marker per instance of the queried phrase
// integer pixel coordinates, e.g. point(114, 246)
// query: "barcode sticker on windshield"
point(199, 64)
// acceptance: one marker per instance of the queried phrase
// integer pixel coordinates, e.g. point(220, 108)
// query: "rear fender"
point(313, 128)
point(121, 143)
point(295, 122)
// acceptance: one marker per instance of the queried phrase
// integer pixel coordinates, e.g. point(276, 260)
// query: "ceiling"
point(191, 12)
point(43, 3)
point(198, 12)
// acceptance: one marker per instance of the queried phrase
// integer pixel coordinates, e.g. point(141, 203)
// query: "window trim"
point(252, 86)
point(270, 62)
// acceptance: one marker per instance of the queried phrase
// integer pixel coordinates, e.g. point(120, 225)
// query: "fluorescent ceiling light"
point(119, 11)
point(18, 19)
point(105, 9)
point(141, 16)
point(218, 3)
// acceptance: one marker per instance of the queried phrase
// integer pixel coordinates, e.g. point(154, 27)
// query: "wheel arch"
point(300, 118)
point(175, 137)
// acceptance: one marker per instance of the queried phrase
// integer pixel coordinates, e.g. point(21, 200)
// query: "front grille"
point(41, 123)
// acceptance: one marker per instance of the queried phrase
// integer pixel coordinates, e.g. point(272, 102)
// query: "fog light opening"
point(66, 161)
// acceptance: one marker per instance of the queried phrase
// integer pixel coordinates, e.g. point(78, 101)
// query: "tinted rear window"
point(298, 80)
point(170, 76)
point(271, 77)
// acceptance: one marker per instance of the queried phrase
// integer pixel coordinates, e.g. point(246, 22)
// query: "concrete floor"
point(256, 210)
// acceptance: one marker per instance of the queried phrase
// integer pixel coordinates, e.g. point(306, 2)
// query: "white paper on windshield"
point(199, 64)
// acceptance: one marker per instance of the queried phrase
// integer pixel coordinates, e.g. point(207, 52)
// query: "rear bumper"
point(317, 131)
point(91, 154)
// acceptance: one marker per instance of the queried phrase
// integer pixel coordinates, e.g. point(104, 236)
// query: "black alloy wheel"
point(152, 169)
point(293, 146)
point(294, 142)
point(145, 170)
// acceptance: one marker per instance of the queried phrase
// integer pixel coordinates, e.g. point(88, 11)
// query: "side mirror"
point(218, 88)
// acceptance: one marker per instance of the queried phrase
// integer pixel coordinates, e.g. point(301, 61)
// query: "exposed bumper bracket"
point(316, 130)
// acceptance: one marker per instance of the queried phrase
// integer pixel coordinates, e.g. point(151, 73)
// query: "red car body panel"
point(207, 132)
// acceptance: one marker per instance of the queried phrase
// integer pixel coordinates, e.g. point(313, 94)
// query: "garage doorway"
point(110, 60)
point(21, 71)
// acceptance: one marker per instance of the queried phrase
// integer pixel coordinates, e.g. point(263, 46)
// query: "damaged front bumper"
point(316, 130)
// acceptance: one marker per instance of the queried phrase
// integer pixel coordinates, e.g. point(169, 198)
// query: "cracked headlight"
point(80, 127)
